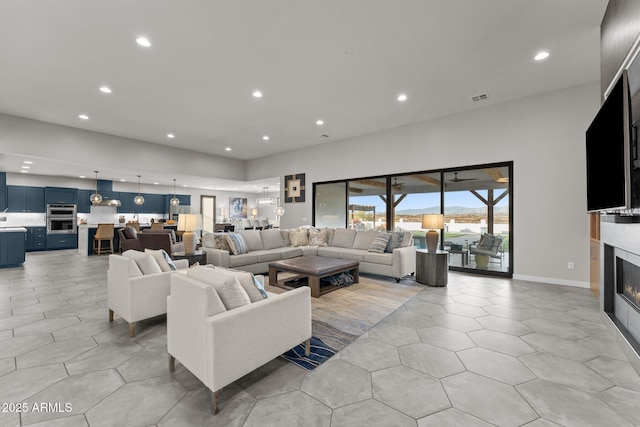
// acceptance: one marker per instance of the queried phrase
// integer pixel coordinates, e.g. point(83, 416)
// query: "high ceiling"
point(344, 62)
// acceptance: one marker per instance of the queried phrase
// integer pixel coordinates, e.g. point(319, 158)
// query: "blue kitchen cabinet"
point(25, 199)
point(84, 204)
point(36, 239)
point(3, 191)
point(12, 248)
point(60, 195)
point(62, 241)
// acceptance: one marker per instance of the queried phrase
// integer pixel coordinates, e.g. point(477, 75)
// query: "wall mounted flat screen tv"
point(607, 143)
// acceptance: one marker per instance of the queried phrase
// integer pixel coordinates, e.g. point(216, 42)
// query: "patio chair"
point(490, 245)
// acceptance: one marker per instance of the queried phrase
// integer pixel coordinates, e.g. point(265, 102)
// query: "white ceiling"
point(342, 61)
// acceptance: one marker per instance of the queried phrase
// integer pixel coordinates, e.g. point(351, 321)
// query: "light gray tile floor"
point(479, 352)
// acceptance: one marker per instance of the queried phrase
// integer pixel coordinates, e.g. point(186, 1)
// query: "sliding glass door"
point(475, 202)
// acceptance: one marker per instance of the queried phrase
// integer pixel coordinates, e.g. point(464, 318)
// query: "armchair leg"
point(110, 315)
point(172, 363)
point(132, 329)
point(307, 347)
point(215, 397)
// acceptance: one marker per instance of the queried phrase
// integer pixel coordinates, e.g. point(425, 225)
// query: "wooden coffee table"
point(315, 268)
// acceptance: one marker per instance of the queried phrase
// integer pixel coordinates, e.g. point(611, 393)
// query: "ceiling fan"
point(456, 179)
point(397, 186)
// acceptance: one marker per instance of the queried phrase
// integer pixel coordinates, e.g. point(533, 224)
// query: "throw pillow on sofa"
point(228, 287)
point(146, 263)
point(379, 243)
point(318, 237)
point(299, 237)
point(395, 240)
point(272, 239)
point(162, 258)
point(246, 280)
point(236, 243)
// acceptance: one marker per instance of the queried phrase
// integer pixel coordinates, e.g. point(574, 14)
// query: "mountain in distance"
point(452, 210)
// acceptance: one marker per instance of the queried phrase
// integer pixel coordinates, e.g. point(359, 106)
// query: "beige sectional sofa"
point(265, 246)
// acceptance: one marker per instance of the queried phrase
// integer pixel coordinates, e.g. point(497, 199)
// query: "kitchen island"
point(12, 246)
point(87, 231)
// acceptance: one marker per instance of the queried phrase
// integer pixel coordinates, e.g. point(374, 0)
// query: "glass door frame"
point(390, 210)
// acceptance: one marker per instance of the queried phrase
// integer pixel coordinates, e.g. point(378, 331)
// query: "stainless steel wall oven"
point(61, 219)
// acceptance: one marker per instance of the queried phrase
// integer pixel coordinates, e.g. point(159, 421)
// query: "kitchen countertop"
point(13, 230)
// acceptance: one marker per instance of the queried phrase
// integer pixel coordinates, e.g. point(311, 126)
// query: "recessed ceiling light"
point(28, 162)
point(23, 171)
point(228, 149)
point(170, 136)
point(402, 97)
point(143, 41)
point(155, 183)
point(184, 185)
point(257, 94)
point(123, 180)
point(541, 55)
point(84, 117)
point(26, 167)
point(266, 137)
point(81, 176)
point(319, 122)
point(105, 89)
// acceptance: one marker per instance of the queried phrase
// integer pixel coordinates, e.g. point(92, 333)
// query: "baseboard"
point(553, 281)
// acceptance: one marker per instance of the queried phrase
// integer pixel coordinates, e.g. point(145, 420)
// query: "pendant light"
point(174, 200)
point(96, 197)
point(138, 200)
point(265, 199)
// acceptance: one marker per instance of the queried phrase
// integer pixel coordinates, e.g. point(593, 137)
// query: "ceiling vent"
point(480, 97)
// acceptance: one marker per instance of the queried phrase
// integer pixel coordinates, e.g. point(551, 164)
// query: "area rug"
point(339, 317)
point(319, 353)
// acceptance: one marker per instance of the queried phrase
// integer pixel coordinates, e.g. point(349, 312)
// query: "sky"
point(426, 200)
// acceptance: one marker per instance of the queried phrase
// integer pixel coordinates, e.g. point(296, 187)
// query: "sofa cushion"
point(272, 239)
point(379, 243)
point(353, 254)
point(299, 237)
point(329, 252)
point(146, 263)
point(236, 243)
point(363, 239)
point(343, 238)
point(242, 259)
point(253, 240)
point(227, 286)
point(287, 253)
point(318, 237)
point(285, 237)
point(209, 240)
point(266, 256)
point(330, 233)
point(246, 280)
point(379, 258)
point(162, 258)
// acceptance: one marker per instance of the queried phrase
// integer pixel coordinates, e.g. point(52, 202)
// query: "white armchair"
point(220, 346)
point(135, 296)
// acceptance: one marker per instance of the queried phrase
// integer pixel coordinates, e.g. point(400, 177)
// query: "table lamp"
point(189, 223)
point(254, 213)
point(432, 222)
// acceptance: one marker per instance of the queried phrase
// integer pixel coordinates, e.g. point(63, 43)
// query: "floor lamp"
point(432, 222)
point(189, 223)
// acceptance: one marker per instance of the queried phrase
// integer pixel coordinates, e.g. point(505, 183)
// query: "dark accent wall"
point(620, 28)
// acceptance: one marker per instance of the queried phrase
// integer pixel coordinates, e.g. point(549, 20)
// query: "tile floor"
point(479, 352)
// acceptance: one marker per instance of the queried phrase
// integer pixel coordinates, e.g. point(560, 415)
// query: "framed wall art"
point(238, 207)
point(294, 188)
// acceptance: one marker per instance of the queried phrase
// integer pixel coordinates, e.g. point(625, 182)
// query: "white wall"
point(39, 139)
point(543, 135)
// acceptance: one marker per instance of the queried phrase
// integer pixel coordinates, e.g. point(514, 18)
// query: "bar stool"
point(103, 233)
point(157, 226)
point(134, 224)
